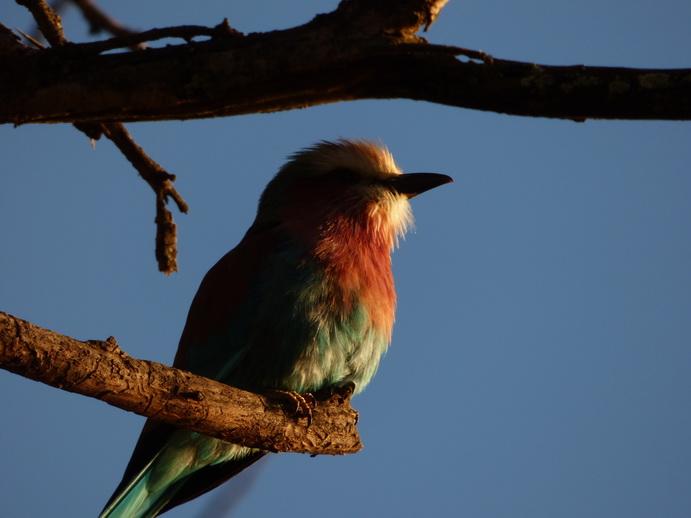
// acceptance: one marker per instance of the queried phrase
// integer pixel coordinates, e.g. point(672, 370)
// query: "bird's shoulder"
point(225, 288)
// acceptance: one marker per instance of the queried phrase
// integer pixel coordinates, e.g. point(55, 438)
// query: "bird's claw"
point(346, 390)
point(302, 404)
point(341, 392)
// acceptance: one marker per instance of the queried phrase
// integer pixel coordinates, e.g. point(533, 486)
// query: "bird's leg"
point(304, 403)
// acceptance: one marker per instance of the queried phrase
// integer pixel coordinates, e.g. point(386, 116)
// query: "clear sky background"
point(541, 360)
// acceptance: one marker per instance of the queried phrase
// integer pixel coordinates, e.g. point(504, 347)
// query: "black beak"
point(412, 184)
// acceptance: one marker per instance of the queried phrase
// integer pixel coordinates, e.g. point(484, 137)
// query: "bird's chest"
point(309, 323)
point(337, 331)
point(329, 321)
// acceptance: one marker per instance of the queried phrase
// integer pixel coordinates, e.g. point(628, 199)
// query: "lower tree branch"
point(100, 369)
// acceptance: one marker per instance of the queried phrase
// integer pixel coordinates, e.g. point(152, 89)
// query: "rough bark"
point(363, 50)
point(100, 369)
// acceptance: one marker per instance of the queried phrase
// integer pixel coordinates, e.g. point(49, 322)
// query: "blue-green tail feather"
point(187, 467)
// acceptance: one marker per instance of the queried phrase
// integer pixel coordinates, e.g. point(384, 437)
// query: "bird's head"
point(351, 183)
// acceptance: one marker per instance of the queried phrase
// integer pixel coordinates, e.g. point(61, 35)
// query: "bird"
point(305, 302)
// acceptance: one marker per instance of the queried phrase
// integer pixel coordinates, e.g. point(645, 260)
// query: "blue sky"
point(541, 357)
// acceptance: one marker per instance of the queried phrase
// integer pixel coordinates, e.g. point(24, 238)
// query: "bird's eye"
point(343, 174)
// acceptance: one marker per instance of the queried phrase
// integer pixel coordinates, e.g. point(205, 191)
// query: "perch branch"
point(100, 369)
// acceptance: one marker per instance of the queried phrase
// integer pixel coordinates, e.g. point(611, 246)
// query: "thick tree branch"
point(363, 50)
point(101, 370)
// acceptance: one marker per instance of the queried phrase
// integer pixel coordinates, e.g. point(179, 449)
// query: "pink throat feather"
point(356, 254)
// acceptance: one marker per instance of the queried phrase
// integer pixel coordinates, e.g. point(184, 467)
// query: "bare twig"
point(99, 20)
point(47, 20)
point(185, 32)
point(11, 44)
point(32, 40)
point(101, 370)
point(161, 183)
point(55, 5)
point(158, 179)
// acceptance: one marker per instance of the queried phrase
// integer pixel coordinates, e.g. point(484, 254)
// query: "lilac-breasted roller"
point(305, 302)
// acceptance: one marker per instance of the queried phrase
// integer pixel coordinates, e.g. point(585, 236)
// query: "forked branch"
point(158, 179)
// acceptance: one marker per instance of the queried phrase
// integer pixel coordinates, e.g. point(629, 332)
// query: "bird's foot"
point(346, 390)
point(302, 404)
point(342, 392)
